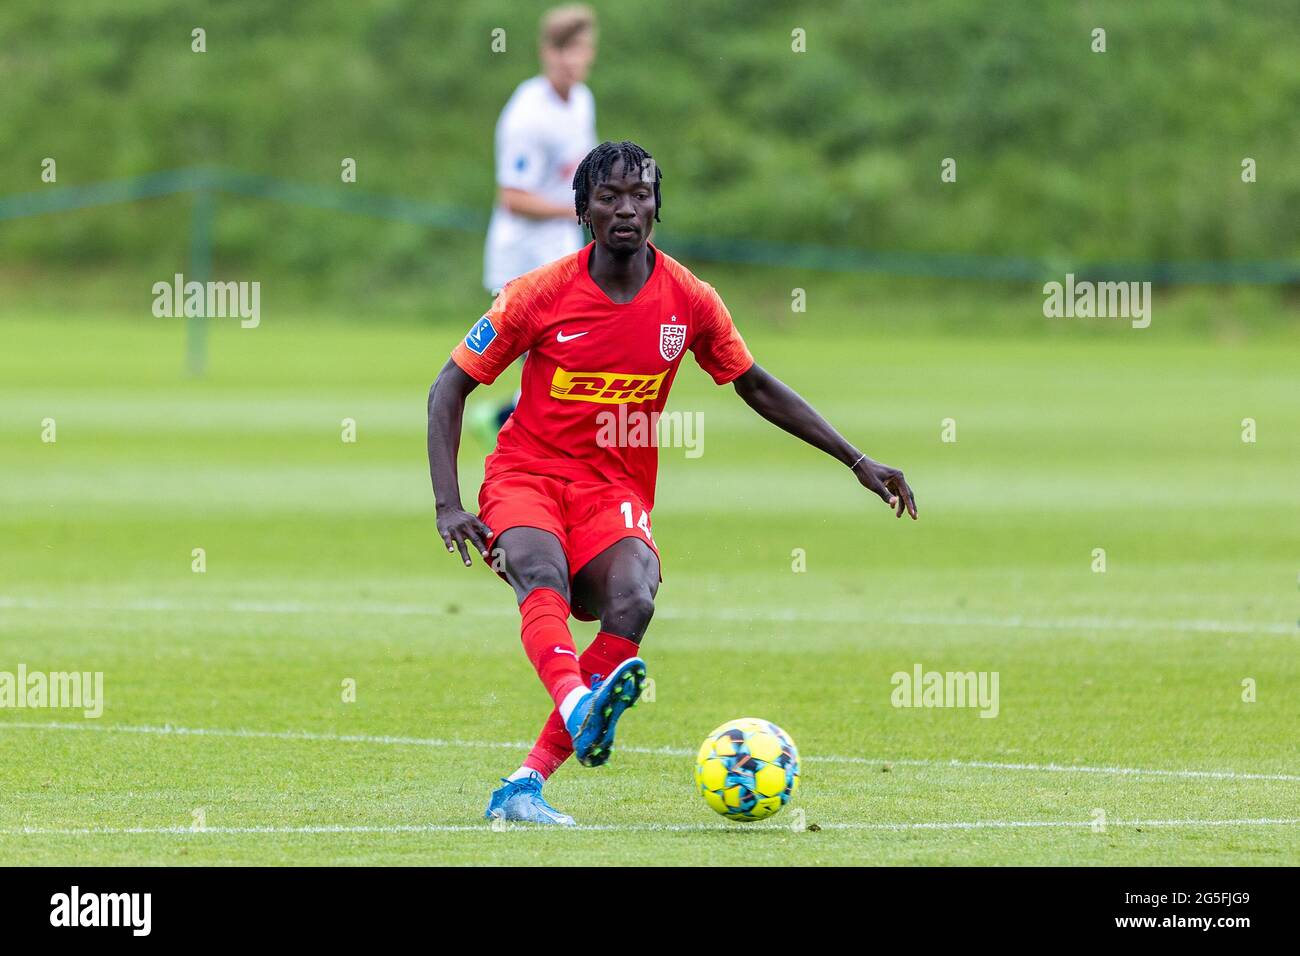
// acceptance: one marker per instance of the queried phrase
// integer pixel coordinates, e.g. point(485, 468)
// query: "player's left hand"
point(888, 483)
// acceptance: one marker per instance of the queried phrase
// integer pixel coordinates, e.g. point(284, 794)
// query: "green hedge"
point(1130, 154)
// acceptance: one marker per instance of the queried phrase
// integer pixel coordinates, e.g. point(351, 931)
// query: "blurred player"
point(564, 514)
point(545, 129)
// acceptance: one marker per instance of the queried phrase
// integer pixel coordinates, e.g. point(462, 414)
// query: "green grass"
point(322, 565)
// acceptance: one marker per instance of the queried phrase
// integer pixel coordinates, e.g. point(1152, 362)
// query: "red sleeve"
point(502, 335)
point(717, 345)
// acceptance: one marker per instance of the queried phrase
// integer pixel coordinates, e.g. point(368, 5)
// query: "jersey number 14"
point(643, 523)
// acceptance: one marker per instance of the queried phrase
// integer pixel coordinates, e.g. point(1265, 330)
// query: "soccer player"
point(564, 515)
point(546, 127)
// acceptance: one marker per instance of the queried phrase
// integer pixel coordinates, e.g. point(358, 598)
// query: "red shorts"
point(587, 516)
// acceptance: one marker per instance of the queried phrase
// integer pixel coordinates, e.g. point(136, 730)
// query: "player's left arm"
point(784, 407)
point(721, 352)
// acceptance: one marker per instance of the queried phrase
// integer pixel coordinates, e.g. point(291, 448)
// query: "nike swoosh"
point(561, 650)
point(561, 337)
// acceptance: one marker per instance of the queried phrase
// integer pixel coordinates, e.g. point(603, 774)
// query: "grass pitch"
point(1121, 693)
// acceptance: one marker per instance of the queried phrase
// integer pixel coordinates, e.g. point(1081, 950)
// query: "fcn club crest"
point(672, 338)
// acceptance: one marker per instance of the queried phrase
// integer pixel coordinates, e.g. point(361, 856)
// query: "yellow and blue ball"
point(747, 769)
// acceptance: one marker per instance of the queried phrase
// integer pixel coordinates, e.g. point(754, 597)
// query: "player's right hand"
point(458, 528)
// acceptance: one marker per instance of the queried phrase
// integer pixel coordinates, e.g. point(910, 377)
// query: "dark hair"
point(595, 169)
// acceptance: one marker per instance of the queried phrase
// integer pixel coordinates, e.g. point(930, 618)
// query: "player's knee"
point(629, 613)
point(541, 574)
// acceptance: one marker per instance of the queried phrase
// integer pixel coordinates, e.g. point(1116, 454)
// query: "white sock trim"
point(571, 701)
point(523, 772)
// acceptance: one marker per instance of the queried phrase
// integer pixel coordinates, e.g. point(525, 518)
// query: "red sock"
point(554, 745)
point(548, 643)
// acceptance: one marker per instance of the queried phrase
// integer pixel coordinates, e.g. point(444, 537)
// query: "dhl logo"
point(610, 388)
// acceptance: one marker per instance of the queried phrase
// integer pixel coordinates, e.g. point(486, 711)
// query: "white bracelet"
point(855, 464)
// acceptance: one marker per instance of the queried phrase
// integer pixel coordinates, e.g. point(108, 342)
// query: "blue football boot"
point(591, 725)
point(522, 801)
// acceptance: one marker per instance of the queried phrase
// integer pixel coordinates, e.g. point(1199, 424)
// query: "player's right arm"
point(521, 202)
point(494, 341)
point(456, 526)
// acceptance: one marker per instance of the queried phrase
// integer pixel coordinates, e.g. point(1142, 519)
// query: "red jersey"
point(589, 355)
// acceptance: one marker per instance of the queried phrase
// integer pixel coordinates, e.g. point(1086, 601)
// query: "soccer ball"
point(747, 769)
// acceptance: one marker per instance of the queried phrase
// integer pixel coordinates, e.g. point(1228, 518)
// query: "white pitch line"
point(1014, 622)
point(385, 740)
point(168, 730)
point(641, 827)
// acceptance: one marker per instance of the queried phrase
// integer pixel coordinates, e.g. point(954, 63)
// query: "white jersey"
point(540, 140)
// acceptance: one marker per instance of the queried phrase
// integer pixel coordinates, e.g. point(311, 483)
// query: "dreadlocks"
point(595, 169)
